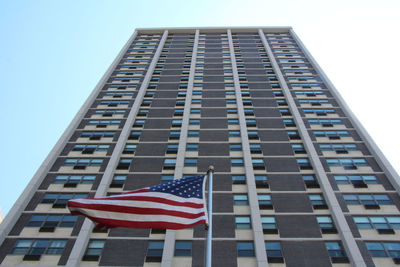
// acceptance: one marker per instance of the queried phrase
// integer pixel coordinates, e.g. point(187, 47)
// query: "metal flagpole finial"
point(210, 168)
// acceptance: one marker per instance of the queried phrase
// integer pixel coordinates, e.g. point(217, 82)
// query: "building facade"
point(297, 182)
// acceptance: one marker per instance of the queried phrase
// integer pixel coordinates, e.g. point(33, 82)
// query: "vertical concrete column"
point(348, 240)
point(390, 172)
point(83, 237)
point(32, 187)
point(261, 255)
point(169, 243)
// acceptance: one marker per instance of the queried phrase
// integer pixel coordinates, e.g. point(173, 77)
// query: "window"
point(332, 135)
point(129, 149)
point(285, 112)
point(232, 111)
point(146, 103)
point(251, 123)
point(118, 95)
point(310, 181)
point(247, 103)
point(60, 200)
point(383, 224)
point(139, 123)
point(338, 148)
point(245, 249)
point(167, 178)
point(384, 249)
point(183, 248)
point(134, 135)
point(33, 249)
point(274, 252)
point(109, 113)
point(264, 202)
point(143, 112)
point(197, 93)
point(183, 86)
point(172, 148)
point(326, 225)
point(176, 123)
point(293, 135)
point(193, 133)
point(48, 223)
point(195, 111)
point(304, 164)
point(317, 201)
point(249, 112)
point(81, 164)
point(149, 94)
point(289, 123)
point(347, 164)
point(237, 163)
point(277, 93)
point(114, 103)
point(73, 180)
point(258, 164)
point(154, 251)
point(169, 163)
point(336, 252)
point(358, 181)
point(261, 181)
point(298, 149)
point(124, 164)
point(94, 250)
point(269, 225)
point(234, 133)
point(118, 181)
point(103, 124)
point(190, 162)
point(243, 222)
point(97, 135)
point(174, 135)
point(255, 149)
point(370, 201)
point(192, 147)
point(314, 102)
point(239, 179)
point(319, 112)
point(281, 102)
point(233, 122)
point(194, 122)
point(180, 103)
point(325, 123)
point(240, 199)
point(235, 147)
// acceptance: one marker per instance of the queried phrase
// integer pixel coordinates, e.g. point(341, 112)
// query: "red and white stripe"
point(142, 209)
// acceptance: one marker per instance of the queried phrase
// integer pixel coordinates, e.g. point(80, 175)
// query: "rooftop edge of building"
point(254, 29)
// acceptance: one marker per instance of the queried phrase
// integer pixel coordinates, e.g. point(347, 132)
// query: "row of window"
point(384, 224)
point(261, 180)
point(33, 249)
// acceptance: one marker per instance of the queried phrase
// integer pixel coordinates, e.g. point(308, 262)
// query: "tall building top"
point(215, 29)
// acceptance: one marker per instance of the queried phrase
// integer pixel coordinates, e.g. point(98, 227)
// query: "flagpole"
point(209, 234)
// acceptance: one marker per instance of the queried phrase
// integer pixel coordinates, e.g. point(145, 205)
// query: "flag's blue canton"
point(185, 187)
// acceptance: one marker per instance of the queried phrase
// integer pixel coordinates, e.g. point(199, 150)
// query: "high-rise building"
point(298, 181)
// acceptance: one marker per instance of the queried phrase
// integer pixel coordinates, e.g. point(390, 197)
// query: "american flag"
point(174, 205)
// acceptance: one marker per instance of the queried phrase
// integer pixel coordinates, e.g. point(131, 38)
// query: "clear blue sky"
point(52, 54)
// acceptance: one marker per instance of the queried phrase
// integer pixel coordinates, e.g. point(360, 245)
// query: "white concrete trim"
point(259, 244)
point(349, 242)
point(82, 240)
point(169, 243)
